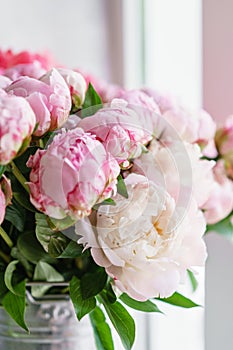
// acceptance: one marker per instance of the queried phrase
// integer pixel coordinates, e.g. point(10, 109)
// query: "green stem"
point(6, 238)
point(19, 176)
point(5, 257)
point(65, 290)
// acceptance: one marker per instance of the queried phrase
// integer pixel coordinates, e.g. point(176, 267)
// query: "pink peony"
point(77, 85)
point(192, 126)
point(179, 169)
point(5, 196)
point(32, 70)
point(139, 99)
point(224, 137)
point(10, 59)
point(72, 175)
point(140, 243)
point(4, 82)
point(164, 101)
point(220, 202)
point(2, 206)
point(105, 90)
point(17, 122)
point(122, 130)
point(49, 98)
point(224, 143)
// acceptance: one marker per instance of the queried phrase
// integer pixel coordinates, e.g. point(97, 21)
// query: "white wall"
point(76, 32)
point(173, 63)
point(219, 291)
point(218, 100)
point(218, 57)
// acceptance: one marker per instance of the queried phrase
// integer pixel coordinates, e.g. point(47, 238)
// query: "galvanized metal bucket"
point(53, 326)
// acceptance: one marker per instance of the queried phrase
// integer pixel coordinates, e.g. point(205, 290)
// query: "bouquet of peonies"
point(106, 189)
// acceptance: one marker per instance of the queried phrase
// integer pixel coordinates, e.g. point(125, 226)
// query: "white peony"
point(140, 242)
point(179, 169)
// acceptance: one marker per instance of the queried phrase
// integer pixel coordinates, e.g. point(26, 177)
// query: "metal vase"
point(53, 326)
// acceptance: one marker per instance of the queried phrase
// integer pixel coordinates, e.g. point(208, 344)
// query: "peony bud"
point(17, 121)
point(49, 98)
point(76, 164)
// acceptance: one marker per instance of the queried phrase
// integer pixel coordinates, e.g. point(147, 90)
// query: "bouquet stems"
point(19, 176)
point(6, 238)
point(5, 257)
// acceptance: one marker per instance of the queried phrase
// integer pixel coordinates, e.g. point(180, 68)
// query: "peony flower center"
point(157, 228)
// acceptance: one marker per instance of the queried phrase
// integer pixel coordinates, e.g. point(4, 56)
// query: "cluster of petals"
point(192, 126)
point(141, 243)
point(5, 196)
point(122, 130)
point(49, 98)
point(220, 201)
point(17, 122)
point(76, 84)
point(73, 174)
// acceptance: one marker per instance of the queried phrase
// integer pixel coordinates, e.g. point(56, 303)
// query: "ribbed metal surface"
point(53, 326)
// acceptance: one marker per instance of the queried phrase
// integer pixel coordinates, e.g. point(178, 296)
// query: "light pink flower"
point(137, 98)
point(2, 206)
point(105, 90)
point(192, 126)
point(10, 59)
point(122, 130)
point(224, 137)
point(49, 98)
point(72, 175)
point(140, 243)
point(77, 85)
point(220, 202)
point(210, 150)
point(4, 82)
point(17, 121)
point(165, 101)
point(5, 196)
point(224, 143)
point(32, 70)
point(179, 169)
point(5, 185)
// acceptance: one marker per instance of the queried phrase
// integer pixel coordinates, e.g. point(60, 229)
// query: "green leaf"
point(3, 288)
point(8, 277)
point(17, 255)
point(108, 201)
point(57, 244)
point(102, 331)
point(122, 322)
point(31, 249)
point(16, 215)
point(178, 299)
point(93, 283)
point(44, 272)
point(15, 304)
point(146, 306)
point(76, 103)
point(109, 293)
point(21, 161)
point(53, 242)
point(72, 250)
point(121, 187)
point(62, 224)
point(193, 280)
point(92, 102)
point(223, 227)
point(81, 306)
point(23, 200)
point(2, 170)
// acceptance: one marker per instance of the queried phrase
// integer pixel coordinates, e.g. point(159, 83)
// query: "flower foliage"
point(104, 191)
